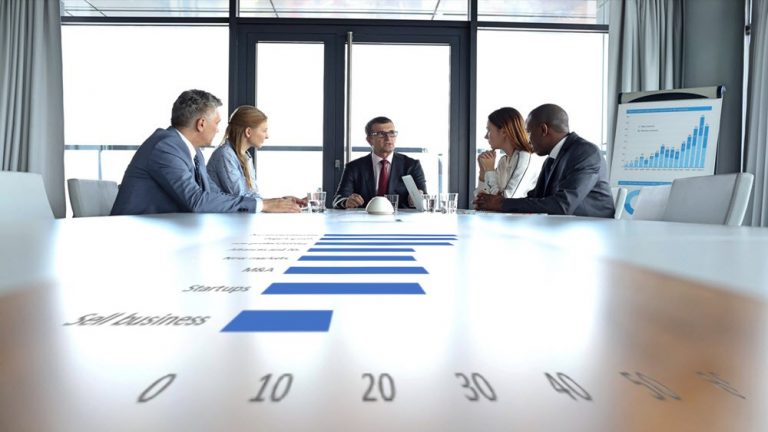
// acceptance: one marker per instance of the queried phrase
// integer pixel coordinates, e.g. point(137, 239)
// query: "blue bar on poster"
point(357, 258)
point(343, 288)
point(381, 243)
point(705, 136)
point(356, 270)
point(280, 321)
point(361, 250)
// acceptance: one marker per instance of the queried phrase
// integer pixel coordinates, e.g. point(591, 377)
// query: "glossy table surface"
point(516, 323)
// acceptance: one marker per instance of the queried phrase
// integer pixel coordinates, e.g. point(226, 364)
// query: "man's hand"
point(280, 205)
point(486, 201)
point(354, 201)
point(301, 202)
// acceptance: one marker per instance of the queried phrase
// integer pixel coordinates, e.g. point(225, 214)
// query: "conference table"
point(415, 321)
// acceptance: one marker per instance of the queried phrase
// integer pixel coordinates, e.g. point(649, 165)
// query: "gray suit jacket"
point(161, 179)
point(578, 184)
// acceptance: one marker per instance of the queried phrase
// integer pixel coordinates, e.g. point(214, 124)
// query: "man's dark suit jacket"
point(161, 179)
point(578, 184)
point(358, 177)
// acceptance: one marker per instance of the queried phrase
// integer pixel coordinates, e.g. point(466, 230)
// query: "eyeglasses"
point(382, 134)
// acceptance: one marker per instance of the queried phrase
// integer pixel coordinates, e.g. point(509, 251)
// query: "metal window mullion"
point(348, 125)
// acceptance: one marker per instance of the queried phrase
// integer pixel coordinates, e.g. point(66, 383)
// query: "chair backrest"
point(651, 203)
point(715, 199)
point(23, 197)
point(619, 198)
point(91, 197)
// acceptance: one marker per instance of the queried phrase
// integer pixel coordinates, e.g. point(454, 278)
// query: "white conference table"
point(348, 321)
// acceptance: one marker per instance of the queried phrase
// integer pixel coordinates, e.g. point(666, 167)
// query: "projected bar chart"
point(659, 141)
point(690, 154)
point(324, 278)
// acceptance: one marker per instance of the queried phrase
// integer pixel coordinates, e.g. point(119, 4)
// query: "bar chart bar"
point(382, 243)
point(389, 238)
point(344, 288)
point(357, 258)
point(361, 250)
point(280, 321)
point(356, 270)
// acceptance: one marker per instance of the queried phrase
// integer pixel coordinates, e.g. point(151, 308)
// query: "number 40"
point(565, 384)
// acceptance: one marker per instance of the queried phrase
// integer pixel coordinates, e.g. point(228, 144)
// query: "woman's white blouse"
point(514, 176)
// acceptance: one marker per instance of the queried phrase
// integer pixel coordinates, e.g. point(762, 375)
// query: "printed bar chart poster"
point(657, 142)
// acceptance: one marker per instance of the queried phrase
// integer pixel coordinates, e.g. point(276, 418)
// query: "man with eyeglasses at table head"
point(379, 173)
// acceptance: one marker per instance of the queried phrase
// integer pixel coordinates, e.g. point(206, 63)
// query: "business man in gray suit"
point(574, 179)
point(167, 174)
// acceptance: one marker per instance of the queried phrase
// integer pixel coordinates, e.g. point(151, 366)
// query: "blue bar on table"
point(356, 270)
point(381, 243)
point(373, 238)
point(357, 258)
point(280, 321)
point(361, 250)
point(343, 288)
point(391, 235)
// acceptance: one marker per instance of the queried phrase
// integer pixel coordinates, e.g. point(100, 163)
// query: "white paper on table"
point(413, 191)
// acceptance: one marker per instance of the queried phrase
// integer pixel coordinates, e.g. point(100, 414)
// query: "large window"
point(367, 9)
point(410, 84)
point(544, 11)
point(120, 83)
point(289, 89)
point(524, 69)
point(126, 61)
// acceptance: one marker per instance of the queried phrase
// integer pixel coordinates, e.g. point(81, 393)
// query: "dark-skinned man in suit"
point(574, 179)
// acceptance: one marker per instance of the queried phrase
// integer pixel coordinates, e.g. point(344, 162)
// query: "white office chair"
point(715, 199)
point(91, 197)
point(619, 198)
point(651, 203)
point(23, 197)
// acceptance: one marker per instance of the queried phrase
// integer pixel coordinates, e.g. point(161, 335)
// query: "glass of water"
point(449, 202)
point(316, 202)
point(430, 203)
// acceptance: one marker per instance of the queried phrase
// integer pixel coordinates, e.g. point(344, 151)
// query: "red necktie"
point(383, 177)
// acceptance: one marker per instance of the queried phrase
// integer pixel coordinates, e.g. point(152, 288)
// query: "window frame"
point(462, 169)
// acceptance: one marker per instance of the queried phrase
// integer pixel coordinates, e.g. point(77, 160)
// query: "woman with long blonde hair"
point(231, 164)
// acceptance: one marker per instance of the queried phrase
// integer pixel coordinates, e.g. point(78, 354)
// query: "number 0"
point(148, 394)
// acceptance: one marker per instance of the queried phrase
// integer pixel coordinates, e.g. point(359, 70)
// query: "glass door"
point(289, 90)
point(298, 75)
point(410, 84)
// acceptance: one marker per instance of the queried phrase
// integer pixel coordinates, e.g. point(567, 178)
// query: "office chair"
point(715, 199)
point(619, 198)
point(91, 197)
point(23, 197)
point(651, 203)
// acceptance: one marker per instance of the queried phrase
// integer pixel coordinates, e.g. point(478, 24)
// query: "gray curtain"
point(31, 95)
point(644, 51)
point(756, 139)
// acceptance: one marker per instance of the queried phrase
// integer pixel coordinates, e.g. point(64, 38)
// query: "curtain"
point(756, 137)
point(644, 51)
point(31, 95)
